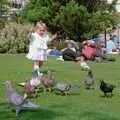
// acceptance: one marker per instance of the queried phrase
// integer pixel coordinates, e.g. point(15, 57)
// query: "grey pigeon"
point(16, 100)
point(29, 90)
point(64, 88)
point(89, 80)
point(35, 80)
point(48, 80)
point(31, 84)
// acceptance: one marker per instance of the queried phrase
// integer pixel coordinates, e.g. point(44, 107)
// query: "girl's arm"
point(32, 38)
point(54, 37)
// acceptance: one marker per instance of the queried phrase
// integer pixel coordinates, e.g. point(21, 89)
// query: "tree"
point(72, 19)
point(75, 18)
point(99, 21)
point(37, 10)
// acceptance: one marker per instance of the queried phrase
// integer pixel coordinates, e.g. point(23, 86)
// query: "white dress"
point(38, 47)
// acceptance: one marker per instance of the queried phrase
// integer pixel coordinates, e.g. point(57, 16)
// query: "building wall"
point(117, 5)
point(19, 3)
point(14, 7)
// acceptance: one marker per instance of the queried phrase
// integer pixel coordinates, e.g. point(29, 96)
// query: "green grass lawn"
point(82, 104)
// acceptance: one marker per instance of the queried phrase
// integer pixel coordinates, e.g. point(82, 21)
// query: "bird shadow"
point(68, 94)
point(44, 114)
point(73, 93)
point(106, 96)
point(31, 114)
point(3, 104)
point(8, 113)
point(92, 88)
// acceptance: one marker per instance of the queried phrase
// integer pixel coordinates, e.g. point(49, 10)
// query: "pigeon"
point(89, 80)
point(106, 88)
point(16, 100)
point(30, 86)
point(48, 80)
point(60, 58)
point(29, 90)
point(84, 66)
point(64, 88)
point(35, 81)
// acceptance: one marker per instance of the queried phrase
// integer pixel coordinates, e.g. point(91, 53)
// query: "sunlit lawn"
point(82, 104)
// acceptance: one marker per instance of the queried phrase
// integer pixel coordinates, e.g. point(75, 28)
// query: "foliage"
point(37, 10)
point(57, 44)
point(4, 7)
point(14, 38)
point(75, 18)
point(36, 14)
point(99, 21)
point(72, 19)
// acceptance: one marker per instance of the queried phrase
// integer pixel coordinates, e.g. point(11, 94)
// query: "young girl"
point(38, 46)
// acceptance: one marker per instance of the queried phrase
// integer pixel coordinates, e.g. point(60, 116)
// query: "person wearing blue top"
point(110, 46)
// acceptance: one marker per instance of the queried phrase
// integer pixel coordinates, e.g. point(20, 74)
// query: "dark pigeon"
point(106, 88)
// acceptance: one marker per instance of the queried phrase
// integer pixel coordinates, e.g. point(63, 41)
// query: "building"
point(13, 7)
point(18, 4)
point(117, 5)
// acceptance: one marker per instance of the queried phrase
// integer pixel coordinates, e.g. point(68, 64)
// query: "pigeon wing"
point(88, 79)
point(60, 86)
point(16, 99)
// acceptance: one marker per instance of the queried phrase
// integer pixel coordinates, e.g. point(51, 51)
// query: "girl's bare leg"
point(40, 64)
point(37, 65)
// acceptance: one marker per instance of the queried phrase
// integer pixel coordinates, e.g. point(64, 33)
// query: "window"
point(16, 4)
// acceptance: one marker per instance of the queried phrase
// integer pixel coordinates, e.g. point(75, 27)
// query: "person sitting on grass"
point(110, 46)
point(70, 52)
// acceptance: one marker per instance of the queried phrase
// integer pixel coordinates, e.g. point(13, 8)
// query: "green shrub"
point(14, 37)
point(76, 18)
point(58, 45)
point(72, 19)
